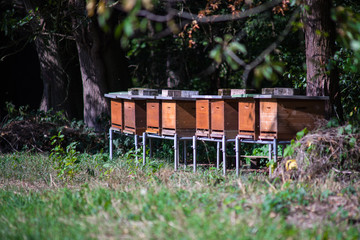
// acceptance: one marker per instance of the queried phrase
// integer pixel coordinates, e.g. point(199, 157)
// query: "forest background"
point(65, 55)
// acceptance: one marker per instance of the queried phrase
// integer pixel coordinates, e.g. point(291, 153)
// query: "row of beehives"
point(185, 113)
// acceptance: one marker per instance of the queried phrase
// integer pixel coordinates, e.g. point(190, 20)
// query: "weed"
point(65, 160)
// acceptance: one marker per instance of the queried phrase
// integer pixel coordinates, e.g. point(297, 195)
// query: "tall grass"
point(119, 199)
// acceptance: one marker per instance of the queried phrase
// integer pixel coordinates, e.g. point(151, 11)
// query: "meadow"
point(92, 197)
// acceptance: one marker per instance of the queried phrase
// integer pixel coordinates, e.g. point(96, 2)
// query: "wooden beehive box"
point(134, 116)
point(117, 115)
point(281, 117)
point(178, 116)
point(224, 117)
point(248, 110)
point(203, 120)
point(153, 116)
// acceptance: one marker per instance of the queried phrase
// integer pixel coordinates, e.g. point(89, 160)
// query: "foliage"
point(25, 130)
point(65, 160)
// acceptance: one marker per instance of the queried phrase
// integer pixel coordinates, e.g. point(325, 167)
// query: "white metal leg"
point(111, 143)
point(217, 155)
point(237, 155)
point(224, 154)
point(144, 148)
point(194, 153)
point(176, 152)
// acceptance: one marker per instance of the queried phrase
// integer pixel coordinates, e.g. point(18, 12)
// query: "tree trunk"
point(102, 64)
point(322, 77)
point(57, 79)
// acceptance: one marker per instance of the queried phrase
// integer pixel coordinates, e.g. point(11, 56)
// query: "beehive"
point(203, 122)
point(281, 117)
point(134, 116)
point(117, 115)
point(178, 116)
point(153, 116)
point(224, 117)
point(248, 110)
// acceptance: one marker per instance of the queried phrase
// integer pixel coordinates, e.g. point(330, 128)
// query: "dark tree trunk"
point(102, 64)
point(55, 63)
point(320, 33)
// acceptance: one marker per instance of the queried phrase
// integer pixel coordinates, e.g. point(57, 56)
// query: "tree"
point(66, 38)
point(320, 35)
point(102, 63)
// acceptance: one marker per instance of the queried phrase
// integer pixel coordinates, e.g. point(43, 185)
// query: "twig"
point(343, 172)
point(9, 144)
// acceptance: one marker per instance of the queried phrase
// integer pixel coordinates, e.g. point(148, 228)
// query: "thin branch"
point(202, 19)
point(235, 58)
point(270, 48)
point(15, 52)
point(228, 17)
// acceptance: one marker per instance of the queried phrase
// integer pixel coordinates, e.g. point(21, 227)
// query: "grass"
point(119, 200)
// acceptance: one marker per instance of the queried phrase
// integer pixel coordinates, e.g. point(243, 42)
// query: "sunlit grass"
point(118, 199)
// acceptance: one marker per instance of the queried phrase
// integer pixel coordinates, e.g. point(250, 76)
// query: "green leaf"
point(216, 54)
point(341, 131)
point(235, 46)
point(352, 142)
point(349, 129)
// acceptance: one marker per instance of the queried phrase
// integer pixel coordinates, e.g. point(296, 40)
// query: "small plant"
point(289, 150)
point(65, 160)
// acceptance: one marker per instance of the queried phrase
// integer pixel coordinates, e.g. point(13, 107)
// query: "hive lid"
point(269, 96)
point(245, 95)
point(231, 92)
point(281, 91)
point(125, 95)
point(178, 93)
point(143, 92)
point(212, 96)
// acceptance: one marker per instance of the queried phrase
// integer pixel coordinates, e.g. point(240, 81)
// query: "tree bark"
point(54, 72)
point(322, 77)
point(102, 64)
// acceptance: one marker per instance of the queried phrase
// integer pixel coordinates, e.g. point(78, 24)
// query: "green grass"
point(117, 199)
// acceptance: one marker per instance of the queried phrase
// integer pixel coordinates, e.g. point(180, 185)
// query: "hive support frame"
point(136, 142)
point(194, 153)
point(224, 154)
point(110, 143)
point(273, 146)
point(237, 155)
point(144, 148)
